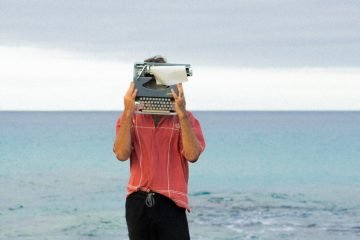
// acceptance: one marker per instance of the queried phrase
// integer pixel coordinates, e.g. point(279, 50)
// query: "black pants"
point(151, 216)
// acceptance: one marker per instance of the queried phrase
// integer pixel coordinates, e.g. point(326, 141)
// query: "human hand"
point(129, 98)
point(180, 104)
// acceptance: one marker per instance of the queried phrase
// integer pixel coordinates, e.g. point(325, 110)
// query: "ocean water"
point(263, 175)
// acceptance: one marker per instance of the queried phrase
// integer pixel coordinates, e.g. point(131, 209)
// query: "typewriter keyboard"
point(155, 105)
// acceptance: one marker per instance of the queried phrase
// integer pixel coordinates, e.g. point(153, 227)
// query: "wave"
point(273, 214)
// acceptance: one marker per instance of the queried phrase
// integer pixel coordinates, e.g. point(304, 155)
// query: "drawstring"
point(150, 200)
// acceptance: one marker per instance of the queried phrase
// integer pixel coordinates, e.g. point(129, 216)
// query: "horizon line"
point(208, 110)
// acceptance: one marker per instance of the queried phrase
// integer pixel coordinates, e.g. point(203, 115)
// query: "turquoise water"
point(264, 175)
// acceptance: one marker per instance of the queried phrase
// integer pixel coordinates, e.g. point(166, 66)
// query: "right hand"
point(129, 98)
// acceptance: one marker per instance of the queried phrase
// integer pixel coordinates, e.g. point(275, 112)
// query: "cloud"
point(38, 79)
point(43, 79)
point(247, 33)
point(278, 89)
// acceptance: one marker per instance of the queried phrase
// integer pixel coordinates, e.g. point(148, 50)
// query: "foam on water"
point(273, 215)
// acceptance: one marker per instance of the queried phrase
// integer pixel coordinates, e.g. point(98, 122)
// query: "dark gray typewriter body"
point(152, 98)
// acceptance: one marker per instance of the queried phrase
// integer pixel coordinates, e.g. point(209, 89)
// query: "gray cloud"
point(286, 33)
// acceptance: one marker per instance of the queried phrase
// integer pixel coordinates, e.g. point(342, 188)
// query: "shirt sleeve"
point(195, 124)
point(117, 126)
point(196, 127)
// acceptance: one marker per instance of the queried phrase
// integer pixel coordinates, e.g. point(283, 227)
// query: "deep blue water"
point(263, 175)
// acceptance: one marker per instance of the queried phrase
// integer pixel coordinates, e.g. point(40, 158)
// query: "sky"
point(245, 54)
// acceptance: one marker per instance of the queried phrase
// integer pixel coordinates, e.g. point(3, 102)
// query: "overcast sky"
point(281, 54)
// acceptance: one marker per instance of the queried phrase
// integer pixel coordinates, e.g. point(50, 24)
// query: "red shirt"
point(156, 161)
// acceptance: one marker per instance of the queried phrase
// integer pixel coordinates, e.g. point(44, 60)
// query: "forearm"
point(191, 145)
point(122, 145)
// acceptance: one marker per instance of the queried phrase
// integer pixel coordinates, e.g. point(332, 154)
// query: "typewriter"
point(153, 98)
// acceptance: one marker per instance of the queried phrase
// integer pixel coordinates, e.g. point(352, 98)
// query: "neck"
point(156, 119)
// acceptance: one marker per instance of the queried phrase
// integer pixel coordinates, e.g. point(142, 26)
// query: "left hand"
point(180, 104)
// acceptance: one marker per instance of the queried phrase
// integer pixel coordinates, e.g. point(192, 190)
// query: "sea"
point(263, 175)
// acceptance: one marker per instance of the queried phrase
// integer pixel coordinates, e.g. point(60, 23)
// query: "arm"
point(191, 145)
point(122, 144)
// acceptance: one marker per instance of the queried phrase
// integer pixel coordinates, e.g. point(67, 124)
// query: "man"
point(159, 148)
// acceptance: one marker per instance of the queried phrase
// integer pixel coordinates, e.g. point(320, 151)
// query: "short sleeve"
point(117, 126)
point(195, 124)
point(196, 127)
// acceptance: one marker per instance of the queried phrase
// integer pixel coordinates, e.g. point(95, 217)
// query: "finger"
point(180, 89)
point(133, 95)
point(174, 94)
point(131, 89)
